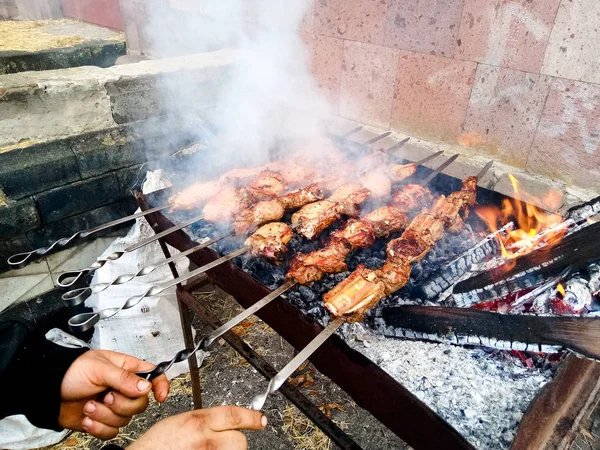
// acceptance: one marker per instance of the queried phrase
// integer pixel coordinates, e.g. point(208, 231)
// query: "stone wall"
point(74, 142)
point(519, 80)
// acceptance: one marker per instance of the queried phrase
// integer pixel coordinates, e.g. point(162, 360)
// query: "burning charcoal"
point(307, 294)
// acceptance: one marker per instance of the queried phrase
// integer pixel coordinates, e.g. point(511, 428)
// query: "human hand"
point(82, 407)
point(213, 428)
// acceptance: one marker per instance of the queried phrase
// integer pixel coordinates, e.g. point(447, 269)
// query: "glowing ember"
point(561, 290)
point(534, 226)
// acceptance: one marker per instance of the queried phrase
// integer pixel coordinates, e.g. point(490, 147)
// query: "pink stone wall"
point(106, 13)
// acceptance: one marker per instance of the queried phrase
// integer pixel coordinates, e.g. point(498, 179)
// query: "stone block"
point(355, 20)
point(69, 226)
point(367, 83)
point(504, 111)
point(36, 168)
point(130, 178)
point(18, 217)
point(428, 26)
point(506, 34)
point(13, 245)
point(573, 51)
point(106, 150)
point(39, 106)
point(567, 142)
point(307, 24)
point(50, 59)
point(326, 56)
point(105, 13)
point(75, 198)
point(431, 95)
point(105, 54)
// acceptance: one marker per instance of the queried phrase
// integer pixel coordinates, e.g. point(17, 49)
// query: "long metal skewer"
point(68, 279)
point(437, 171)
point(259, 400)
point(206, 341)
point(377, 138)
point(85, 321)
point(430, 157)
point(20, 260)
point(351, 132)
point(77, 296)
point(395, 147)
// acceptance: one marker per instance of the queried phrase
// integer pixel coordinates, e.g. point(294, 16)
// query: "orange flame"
point(533, 225)
point(561, 290)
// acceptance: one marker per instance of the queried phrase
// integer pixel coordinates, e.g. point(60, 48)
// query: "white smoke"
point(270, 98)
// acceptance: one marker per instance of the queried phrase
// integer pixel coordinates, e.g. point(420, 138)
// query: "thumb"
point(125, 382)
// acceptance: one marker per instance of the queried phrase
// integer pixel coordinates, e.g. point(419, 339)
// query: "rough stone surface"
point(65, 201)
point(428, 26)
point(18, 217)
point(37, 168)
point(12, 245)
point(431, 95)
point(504, 111)
point(567, 143)
point(367, 84)
point(129, 179)
point(572, 49)
point(506, 34)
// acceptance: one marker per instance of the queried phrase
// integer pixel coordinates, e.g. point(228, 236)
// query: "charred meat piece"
point(226, 203)
point(411, 197)
point(261, 212)
point(293, 172)
point(401, 172)
point(378, 183)
point(270, 240)
point(386, 220)
point(428, 227)
point(408, 248)
point(359, 233)
point(299, 198)
point(449, 212)
point(315, 217)
point(308, 267)
point(240, 176)
point(355, 295)
point(349, 197)
point(394, 277)
point(268, 185)
point(466, 197)
point(194, 195)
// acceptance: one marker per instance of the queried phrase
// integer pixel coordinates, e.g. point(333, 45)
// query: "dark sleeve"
point(31, 372)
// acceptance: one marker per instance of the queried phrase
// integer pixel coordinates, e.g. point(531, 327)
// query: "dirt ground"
point(227, 379)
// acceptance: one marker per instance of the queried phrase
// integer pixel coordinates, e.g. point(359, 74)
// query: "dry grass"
point(302, 432)
point(29, 36)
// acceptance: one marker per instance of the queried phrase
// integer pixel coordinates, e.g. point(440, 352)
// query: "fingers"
point(231, 440)
point(124, 381)
point(98, 429)
point(160, 387)
point(104, 415)
point(222, 418)
point(125, 406)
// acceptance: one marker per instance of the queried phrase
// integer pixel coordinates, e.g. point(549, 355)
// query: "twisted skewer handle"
point(20, 260)
point(77, 296)
point(206, 341)
point(277, 381)
point(68, 279)
point(85, 321)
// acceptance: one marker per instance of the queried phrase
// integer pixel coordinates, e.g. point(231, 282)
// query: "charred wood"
point(525, 332)
point(584, 211)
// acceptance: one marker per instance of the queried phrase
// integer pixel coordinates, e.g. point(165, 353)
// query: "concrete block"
point(427, 26)
point(431, 95)
point(506, 34)
point(105, 54)
point(367, 83)
point(18, 217)
point(573, 50)
point(326, 56)
point(504, 110)
point(37, 168)
point(75, 198)
point(567, 142)
point(106, 150)
point(50, 59)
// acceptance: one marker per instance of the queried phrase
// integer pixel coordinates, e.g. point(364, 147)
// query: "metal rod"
point(429, 158)
point(395, 147)
point(483, 171)
point(77, 296)
point(206, 341)
point(68, 279)
point(351, 132)
point(259, 401)
point(437, 171)
point(378, 138)
point(20, 260)
point(85, 321)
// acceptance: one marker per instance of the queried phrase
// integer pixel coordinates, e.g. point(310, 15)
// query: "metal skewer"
point(485, 169)
point(430, 157)
point(437, 171)
point(20, 260)
point(351, 132)
point(395, 147)
point(378, 138)
point(78, 296)
point(206, 341)
point(69, 278)
point(85, 321)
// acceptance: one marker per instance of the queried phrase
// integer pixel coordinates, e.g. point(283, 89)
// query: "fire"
point(533, 225)
point(561, 290)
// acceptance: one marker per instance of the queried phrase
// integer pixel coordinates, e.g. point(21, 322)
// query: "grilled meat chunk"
point(411, 197)
point(268, 185)
point(378, 183)
point(394, 276)
point(194, 195)
point(315, 217)
point(401, 172)
point(449, 212)
point(359, 233)
point(270, 240)
point(428, 227)
point(300, 197)
point(293, 172)
point(308, 267)
point(466, 197)
point(240, 176)
point(408, 248)
point(257, 214)
point(355, 295)
point(349, 197)
point(226, 203)
point(386, 220)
